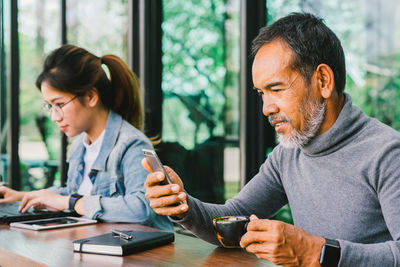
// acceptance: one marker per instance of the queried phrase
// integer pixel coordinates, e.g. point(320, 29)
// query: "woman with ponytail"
point(104, 114)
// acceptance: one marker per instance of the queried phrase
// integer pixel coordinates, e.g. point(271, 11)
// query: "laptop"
point(9, 213)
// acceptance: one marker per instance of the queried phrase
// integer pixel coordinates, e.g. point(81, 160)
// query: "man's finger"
point(251, 237)
point(253, 217)
point(162, 190)
point(146, 165)
point(154, 178)
point(167, 200)
point(260, 225)
point(257, 248)
point(172, 211)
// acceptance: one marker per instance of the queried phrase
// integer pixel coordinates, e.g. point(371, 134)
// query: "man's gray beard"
point(314, 114)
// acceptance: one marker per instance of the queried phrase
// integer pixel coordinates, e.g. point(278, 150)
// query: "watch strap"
point(72, 201)
point(330, 253)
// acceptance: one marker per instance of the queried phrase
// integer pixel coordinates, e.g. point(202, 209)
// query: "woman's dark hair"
point(312, 43)
point(74, 70)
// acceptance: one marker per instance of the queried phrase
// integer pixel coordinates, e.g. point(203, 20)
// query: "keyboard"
point(9, 213)
point(9, 209)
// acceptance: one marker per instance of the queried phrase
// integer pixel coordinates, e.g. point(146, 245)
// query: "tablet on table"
point(52, 223)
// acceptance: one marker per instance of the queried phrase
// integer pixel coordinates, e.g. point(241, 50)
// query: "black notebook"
point(111, 244)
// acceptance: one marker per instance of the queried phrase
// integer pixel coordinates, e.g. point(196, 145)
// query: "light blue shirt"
point(117, 175)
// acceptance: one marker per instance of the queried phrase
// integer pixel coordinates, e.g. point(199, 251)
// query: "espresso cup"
point(230, 229)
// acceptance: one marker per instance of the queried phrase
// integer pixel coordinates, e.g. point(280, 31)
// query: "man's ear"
point(325, 80)
point(93, 97)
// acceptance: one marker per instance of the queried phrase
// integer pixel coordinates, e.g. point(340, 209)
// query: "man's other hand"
point(167, 199)
point(281, 243)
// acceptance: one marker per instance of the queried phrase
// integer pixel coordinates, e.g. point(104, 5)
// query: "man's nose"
point(269, 106)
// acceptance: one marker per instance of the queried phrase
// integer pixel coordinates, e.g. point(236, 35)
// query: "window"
point(3, 89)
point(201, 95)
point(99, 26)
point(39, 144)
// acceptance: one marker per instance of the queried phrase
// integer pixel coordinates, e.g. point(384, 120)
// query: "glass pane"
point(3, 137)
point(372, 47)
point(101, 27)
point(39, 33)
point(201, 95)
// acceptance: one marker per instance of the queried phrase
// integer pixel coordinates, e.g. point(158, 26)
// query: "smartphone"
point(156, 164)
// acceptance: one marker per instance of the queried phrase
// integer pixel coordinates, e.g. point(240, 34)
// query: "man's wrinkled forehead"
point(273, 60)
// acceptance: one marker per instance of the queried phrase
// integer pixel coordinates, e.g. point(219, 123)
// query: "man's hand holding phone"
point(165, 197)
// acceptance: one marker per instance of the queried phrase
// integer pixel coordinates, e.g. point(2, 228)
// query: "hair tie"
point(105, 68)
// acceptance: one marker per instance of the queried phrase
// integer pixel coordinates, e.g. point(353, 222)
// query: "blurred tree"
point(197, 60)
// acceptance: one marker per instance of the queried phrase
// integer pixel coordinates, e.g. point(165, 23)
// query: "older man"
point(336, 167)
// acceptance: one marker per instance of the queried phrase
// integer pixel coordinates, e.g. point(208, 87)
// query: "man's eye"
point(59, 105)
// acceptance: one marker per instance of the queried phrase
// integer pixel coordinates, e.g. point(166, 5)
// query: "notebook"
point(111, 244)
point(9, 213)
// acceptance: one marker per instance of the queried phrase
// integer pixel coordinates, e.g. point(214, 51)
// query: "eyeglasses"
point(57, 108)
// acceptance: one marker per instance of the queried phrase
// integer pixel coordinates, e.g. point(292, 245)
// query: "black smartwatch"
point(72, 201)
point(330, 253)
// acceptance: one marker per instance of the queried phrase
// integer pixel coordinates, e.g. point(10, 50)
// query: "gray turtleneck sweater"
point(344, 184)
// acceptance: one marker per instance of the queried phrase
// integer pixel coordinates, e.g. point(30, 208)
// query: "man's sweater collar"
point(350, 121)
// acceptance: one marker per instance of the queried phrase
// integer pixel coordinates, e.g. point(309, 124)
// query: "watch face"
point(330, 254)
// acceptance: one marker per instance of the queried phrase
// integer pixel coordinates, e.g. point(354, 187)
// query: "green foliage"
point(196, 48)
point(99, 26)
point(231, 189)
point(284, 215)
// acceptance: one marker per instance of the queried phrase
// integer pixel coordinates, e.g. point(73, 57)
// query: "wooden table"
point(19, 247)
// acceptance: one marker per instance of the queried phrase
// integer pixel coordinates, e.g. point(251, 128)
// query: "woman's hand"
point(44, 199)
point(10, 195)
